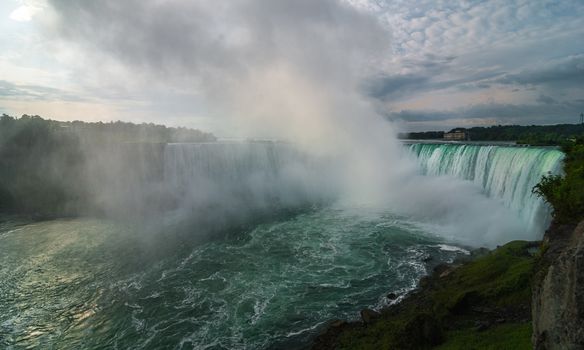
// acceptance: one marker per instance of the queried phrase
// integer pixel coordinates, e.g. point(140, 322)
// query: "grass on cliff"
point(445, 313)
point(512, 336)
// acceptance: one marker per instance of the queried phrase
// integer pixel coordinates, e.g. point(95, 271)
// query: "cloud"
point(34, 92)
point(203, 38)
point(566, 72)
point(278, 67)
point(505, 55)
point(25, 13)
point(469, 53)
point(547, 111)
point(393, 87)
point(546, 100)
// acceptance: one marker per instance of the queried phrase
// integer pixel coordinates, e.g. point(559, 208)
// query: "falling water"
point(504, 172)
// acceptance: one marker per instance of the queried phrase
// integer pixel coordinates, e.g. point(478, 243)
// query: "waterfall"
point(503, 172)
point(236, 178)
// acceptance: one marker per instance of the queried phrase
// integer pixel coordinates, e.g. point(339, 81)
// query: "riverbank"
point(522, 295)
point(481, 303)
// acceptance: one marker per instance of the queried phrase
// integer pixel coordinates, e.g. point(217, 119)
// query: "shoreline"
point(417, 320)
point(521, 295)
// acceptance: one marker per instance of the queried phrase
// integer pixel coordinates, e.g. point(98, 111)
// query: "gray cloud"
point(546, 100)
point(555, 74)
point(277, 63)
point(394, 87)
point(496, 46)
point(567, 72)
point(451, 47)
point(34, 92)
point(218, 40)
point(501, 113)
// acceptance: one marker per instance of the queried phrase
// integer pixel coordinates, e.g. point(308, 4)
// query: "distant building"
point(456, 135)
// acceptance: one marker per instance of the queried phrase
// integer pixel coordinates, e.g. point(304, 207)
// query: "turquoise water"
point(86, 283)
point(169, 283)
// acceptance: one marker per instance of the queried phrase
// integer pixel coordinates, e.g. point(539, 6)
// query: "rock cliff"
point(558, 291)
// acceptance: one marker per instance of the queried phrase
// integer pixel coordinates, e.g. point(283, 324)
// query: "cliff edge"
point(558, 290)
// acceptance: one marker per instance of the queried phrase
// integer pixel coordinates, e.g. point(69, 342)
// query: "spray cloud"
point(286, 69)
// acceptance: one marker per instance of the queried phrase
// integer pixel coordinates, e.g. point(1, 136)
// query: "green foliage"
point(514, 336)
point(33, 159)
point(427, 135)
point(542, 135)
point(565, 192)
point(500, 281)
point(128, 132)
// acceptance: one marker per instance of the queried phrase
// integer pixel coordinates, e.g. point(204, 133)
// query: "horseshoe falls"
point(247, 174)
point(206, 183)
point(505, 173)
point(185, 256)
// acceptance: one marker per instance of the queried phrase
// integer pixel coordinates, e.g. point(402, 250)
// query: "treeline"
point(32, 153)
point(532, 135)
point(113, 131)
point(45, 165)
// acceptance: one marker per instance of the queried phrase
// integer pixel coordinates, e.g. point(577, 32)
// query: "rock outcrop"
point(558, 291)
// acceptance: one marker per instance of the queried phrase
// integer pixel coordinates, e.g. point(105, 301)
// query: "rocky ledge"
point(482, 303)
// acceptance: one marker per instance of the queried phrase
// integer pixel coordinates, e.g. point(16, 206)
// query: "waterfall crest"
point(503, 172)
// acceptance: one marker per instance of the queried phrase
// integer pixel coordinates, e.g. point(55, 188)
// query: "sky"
point(422, 65)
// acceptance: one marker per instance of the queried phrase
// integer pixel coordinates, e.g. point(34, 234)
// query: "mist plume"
point(291, 70)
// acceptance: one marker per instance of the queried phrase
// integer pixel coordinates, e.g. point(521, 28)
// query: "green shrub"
point(565, 193)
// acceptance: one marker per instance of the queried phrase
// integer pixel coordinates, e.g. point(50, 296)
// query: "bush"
point(565, 193)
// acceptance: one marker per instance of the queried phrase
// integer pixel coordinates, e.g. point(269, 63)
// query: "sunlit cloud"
point(25, 13)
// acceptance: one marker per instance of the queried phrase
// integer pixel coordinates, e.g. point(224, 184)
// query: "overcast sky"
point(425, 65)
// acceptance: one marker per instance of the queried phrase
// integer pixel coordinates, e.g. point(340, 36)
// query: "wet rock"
point(337, 323)
point(482, 326)
point(438, 269)
point(391, 296)
point(368, 315)
point(447, 272)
